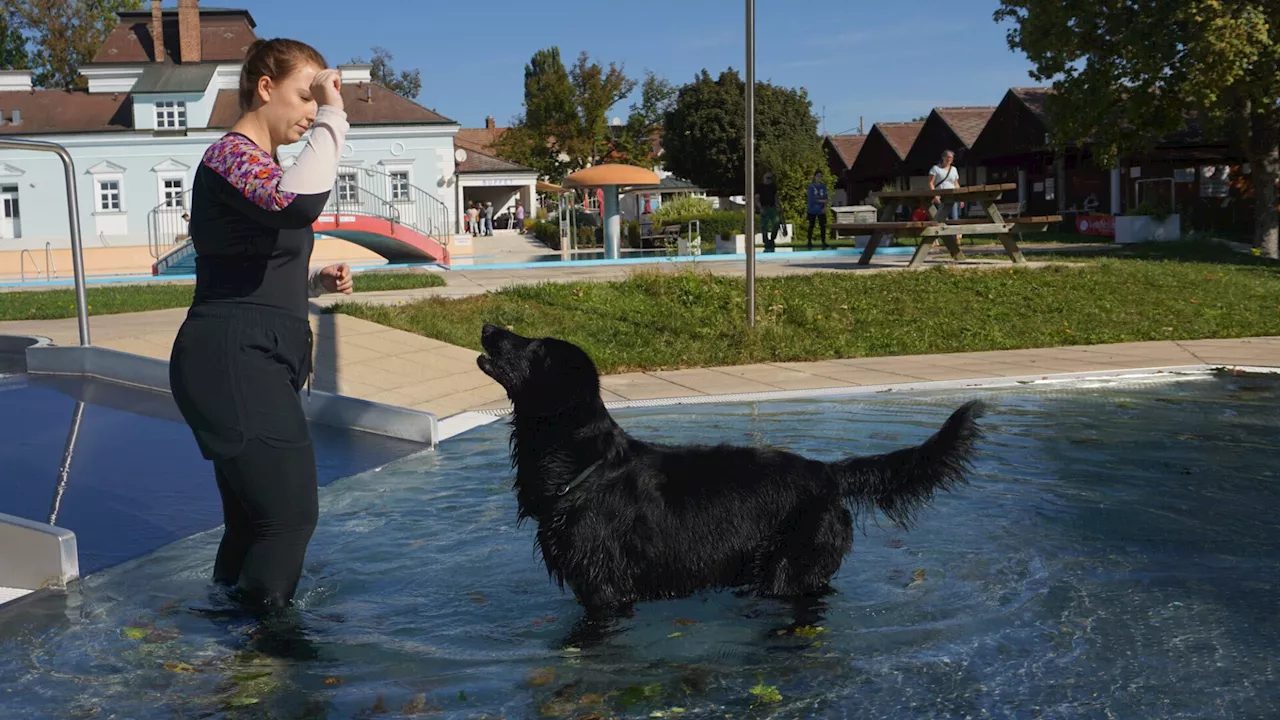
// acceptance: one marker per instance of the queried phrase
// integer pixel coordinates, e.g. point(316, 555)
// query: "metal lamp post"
point(751, 164)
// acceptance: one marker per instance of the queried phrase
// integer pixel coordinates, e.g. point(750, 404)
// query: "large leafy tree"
point(408, 83)
point(63, 35)
point(1127, 73)
point(13, 46)
point(565, 123)
point(634, 144)
point(705, 137)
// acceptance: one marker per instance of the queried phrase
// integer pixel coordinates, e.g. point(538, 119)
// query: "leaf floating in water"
point(1186, 436)
point(333, 680)
point(635, 694)
point(684, 622)
point(896, 543)
point(180, 667)
point(675, 634)
point(917, 578)
point(418, 706)
point(539, 622)
point(136, 633)
point(417, 543)
point(809, 632)
point(767, 693)
point(541, 676)
point(379, 705)
point(160, 635)
point(478, 598)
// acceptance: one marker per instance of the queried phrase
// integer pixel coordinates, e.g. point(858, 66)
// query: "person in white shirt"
point(945, 176)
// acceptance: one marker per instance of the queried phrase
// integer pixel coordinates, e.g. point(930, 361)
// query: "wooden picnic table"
point(939, 226)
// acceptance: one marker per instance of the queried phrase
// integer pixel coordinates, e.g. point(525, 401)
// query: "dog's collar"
point(582, 476)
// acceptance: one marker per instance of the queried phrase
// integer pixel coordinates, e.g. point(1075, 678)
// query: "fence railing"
point(394, 198)
point(167, 225)
point(357, 190)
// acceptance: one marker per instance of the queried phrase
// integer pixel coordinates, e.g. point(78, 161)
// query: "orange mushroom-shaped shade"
point(612, 174)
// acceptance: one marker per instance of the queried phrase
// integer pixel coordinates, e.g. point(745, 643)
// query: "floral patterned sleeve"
point(255, 184)
point(250, 170)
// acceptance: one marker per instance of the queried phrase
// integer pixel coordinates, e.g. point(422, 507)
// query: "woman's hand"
point(326, 88)
point(337, 278)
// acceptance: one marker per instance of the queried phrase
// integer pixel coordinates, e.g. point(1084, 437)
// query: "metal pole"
point(65, 470)
point(751, 164)
point(73, 216)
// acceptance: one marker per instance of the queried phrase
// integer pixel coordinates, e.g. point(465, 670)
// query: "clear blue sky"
point(472, 55)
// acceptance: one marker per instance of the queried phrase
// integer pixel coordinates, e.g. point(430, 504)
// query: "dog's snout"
point(488, 330)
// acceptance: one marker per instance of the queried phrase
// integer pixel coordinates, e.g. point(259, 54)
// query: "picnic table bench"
point(668, 232)
point(939, 226)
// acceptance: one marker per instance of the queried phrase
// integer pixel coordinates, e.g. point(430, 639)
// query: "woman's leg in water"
point(237, 534)
point(276, 489)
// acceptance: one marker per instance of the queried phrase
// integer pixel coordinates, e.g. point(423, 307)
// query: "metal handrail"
point(22, 263)
point(402, 202)
point(50, 269)
point(73, 217)
point(166, 227)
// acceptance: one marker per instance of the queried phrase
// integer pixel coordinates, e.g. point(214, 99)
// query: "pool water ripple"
point(1115, 555)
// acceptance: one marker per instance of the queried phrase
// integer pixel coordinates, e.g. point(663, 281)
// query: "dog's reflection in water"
point(622, 521)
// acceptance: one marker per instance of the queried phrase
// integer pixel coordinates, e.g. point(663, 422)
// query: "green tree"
point(549, 114)
point(565, 123)
point(634, 144)
point(597, 89)
point(1125, 74)
point(13, 46)
point(64, 34)
point(407, 84)
point(705, 137)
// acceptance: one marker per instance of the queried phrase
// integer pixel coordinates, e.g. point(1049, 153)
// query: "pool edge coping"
point(323, 408)
point(460, 423)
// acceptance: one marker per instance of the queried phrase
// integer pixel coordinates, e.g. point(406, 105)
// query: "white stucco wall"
point(140, 160)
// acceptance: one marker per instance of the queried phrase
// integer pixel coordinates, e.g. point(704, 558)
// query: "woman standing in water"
point(244, 352)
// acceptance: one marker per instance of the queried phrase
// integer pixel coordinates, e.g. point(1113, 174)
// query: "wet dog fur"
point(621, 521)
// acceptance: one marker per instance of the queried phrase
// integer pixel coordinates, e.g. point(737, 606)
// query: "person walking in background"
point(488, 218)
point(520, 216)
point(473, 220)
point(818, 203)
point(945, 176)
point(767, 205)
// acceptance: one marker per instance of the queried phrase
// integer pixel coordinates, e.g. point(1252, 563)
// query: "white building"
point(162, 88)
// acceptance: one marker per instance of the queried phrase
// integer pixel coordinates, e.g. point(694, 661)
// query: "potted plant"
point(1148, 222)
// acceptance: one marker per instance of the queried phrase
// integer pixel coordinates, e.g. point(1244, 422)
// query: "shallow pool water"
point(1115, 556)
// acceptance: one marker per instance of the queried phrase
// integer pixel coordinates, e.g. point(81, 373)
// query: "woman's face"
point(288, 106)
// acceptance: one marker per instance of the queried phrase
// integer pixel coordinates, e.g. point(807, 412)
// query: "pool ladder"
point(50, 270)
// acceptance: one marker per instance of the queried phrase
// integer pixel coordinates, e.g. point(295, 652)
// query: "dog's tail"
point(901, 482)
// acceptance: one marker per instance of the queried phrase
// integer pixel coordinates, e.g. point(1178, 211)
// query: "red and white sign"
point(1096, 225)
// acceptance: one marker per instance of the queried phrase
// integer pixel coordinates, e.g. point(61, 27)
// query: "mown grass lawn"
point(55, 304)
point(691, 319)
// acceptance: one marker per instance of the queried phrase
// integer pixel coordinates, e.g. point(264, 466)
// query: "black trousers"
point(236, 372)
point(821, 218)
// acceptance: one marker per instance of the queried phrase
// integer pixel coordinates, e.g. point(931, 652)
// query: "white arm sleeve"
point(317, 165)
point(314, 288)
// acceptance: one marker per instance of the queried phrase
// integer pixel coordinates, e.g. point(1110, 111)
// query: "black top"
point(768, 195)
point(253, 241)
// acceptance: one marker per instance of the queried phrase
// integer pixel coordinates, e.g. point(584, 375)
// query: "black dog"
point(622, 521)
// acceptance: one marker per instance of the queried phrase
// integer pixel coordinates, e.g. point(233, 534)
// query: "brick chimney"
point(157, 30)
point(489, 123)
point(189, 30)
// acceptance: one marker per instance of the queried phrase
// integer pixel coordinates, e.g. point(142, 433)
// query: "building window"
point(171, 114)
point(347, 187)
point(109, 195)
point(174, 194)
point(400, 186)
